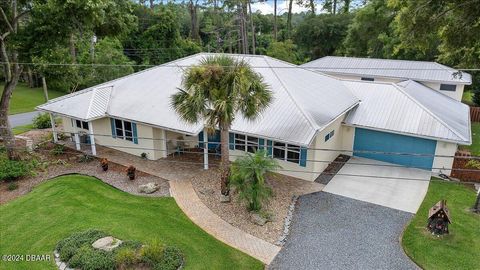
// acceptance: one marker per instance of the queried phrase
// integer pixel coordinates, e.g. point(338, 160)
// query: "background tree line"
point(127, 33)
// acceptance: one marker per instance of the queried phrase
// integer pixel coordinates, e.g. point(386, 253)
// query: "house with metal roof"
point(313, 118)
point(439, 77)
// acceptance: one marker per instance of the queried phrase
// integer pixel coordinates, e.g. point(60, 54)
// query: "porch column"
point(92, 138)
point(77, 137)
point(54, 132)
point(205, 149)
point(164, 143)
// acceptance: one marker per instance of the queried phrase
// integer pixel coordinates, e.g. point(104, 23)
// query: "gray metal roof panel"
point(388, 68)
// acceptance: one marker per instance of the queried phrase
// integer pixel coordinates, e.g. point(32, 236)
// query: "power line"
point(294, 171)
point(266, 67)
point(287, 147)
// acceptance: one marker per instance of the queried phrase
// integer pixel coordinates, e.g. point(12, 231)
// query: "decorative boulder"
point(107, 243)
point(148, 188)
point(258, 219)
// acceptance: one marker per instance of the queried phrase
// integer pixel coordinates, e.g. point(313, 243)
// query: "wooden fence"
point(475, 114)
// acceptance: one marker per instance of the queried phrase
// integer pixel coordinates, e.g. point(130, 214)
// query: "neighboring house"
point(431, 74)
point(312, 119)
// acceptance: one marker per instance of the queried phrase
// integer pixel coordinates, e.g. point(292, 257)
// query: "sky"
point(282, 7)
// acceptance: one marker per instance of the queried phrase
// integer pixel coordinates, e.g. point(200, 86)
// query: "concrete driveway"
point(22, 119)
point(379, 184)
point(334, 232)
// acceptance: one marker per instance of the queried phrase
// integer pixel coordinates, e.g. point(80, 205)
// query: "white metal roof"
point(304, 101)
point(389, 68)
point(409, 108)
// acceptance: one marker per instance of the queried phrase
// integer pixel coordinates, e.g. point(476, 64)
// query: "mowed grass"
point(22, 129)
point(25, 99)
point(458, 250)
point(34, 223)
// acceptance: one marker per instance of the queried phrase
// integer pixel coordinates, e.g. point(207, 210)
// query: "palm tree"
point(214, 91)
point(248, 175)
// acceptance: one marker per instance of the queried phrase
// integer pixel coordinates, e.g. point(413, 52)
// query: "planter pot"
point(105, 168)
point(131, 176)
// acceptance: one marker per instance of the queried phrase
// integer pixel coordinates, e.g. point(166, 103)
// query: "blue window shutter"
point(200, 139)
point(303, 157)
point(135, 136)
point(231, 141)
point(261, 143)
point(112, 124)
point(270, 148)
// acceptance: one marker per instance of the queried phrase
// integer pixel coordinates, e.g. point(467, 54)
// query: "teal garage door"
point(420, 151)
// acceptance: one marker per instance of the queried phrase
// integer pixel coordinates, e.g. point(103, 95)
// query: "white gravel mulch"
point(207, 186)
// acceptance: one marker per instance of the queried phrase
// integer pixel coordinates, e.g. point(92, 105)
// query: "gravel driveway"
point(334, 232)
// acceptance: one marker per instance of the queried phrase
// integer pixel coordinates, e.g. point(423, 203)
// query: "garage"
point(420, 151)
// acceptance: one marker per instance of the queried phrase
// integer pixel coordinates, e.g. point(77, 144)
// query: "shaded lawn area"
point(22, 129)
point(34, 223)
point(458, 250)
point(475, 147)
point(25, 99)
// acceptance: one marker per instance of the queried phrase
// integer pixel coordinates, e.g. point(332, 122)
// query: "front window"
point(246, 143)
point(81, 124)
point(287, 152)
point(124, 130)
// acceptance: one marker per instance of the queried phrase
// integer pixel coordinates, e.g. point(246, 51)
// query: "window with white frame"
point(124, 130)
point(80, 124)
point(246, 143)
point(329, 135)
point(287, 152)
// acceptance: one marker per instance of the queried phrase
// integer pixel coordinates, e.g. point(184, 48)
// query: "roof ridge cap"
point(307, 117)
point(428, 111)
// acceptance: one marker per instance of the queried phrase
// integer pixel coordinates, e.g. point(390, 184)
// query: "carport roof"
point(304, 101)
point(409, 108)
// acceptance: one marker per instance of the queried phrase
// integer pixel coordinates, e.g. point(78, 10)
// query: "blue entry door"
point(417, 152)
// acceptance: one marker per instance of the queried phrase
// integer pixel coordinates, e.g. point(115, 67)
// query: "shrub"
point(42, 121)
point(87, 258)
point(152, 253)
point(126, 257)
point(12, 186)
point(11, 170)
point(85, 158)
point(172, 259)
point(69, 246)
point(58, 149)
point(473, 164)
point(248, 176)
point(131, 172)
point(144, 155)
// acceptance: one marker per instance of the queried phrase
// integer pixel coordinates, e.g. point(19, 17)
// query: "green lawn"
point(25, 99)
point(458, 250)
point(34, 223)
point(22, 129)
point(467, 97)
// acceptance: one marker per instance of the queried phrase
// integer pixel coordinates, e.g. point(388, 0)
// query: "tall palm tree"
point(214, 91)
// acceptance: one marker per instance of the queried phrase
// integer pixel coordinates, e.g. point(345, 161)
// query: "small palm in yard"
point(248, 176)
point(214, 92)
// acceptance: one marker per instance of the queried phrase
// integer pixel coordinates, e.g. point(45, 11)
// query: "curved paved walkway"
point(200, 214)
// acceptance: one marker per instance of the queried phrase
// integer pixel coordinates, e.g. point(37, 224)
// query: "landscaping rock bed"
point(207, 186)
point(67, 163)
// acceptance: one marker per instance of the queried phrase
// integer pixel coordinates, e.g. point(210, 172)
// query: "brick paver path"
point(181, 189)
point(200, 214)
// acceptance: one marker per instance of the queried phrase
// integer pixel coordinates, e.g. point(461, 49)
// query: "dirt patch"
point(207, 186)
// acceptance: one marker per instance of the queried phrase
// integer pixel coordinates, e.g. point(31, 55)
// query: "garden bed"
point(207, 186)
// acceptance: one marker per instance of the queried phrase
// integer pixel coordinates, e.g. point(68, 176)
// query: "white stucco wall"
point(359, 78)
point(444, 149)
point(317, 160)
point(348, 136)
point(457, 94)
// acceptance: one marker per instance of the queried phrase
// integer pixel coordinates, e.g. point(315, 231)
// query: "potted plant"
point(131, 172)
point(104, 164)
